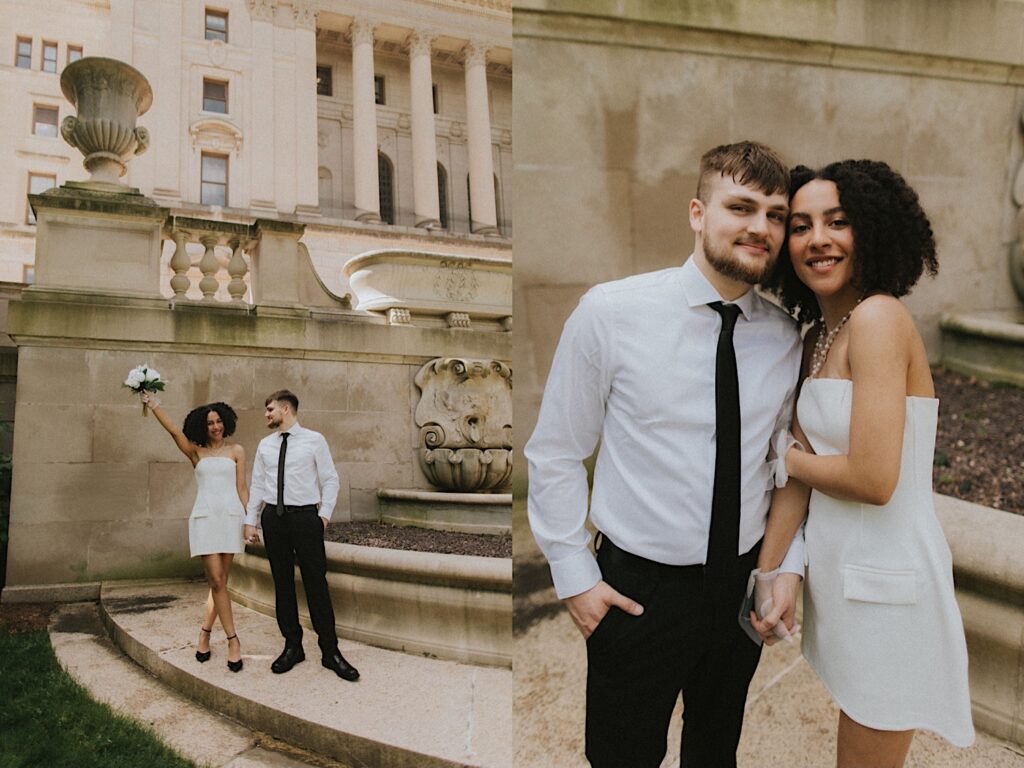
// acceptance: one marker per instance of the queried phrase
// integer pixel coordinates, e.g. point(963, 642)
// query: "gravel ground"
point(369, 534)
point(979, 450)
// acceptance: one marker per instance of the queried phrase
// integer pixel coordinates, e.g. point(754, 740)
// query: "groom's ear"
point(697, 215)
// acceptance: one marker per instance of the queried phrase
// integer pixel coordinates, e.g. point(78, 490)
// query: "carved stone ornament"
point(305, 14)
point(456, 282)
point(475, 54)
point(109, 96)
point(218, 52)
point(361, 31)
point(419, 43)
point(263, 10)
point(1017, 246)
point(465, 420)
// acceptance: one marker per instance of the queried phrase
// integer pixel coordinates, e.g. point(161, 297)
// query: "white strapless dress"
point(881, 625)
point(215, 524)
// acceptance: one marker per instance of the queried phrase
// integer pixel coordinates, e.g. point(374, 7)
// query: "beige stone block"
point(44, 493)
point(49, 433)
point(141, 549)
point(363, 505)
point(373, 475)
point(319, 384)
point(366, 437)
point(48, 552)
point(377, 386)
point(144, 439)
point(172, 489)
point(56, 375)
point(580, 225)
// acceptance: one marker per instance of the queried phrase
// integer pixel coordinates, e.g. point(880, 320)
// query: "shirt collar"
point(291, 430)
point(699, 290)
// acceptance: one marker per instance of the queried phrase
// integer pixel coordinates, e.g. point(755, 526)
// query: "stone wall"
point(102, 492)
point(616, 102)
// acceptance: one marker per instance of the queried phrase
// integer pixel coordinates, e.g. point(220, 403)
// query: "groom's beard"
point(726, 263)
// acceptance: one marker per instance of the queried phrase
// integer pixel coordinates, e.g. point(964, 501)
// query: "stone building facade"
point(376, 124)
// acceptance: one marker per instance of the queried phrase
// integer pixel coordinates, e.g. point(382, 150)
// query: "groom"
point(683, 375)
point(296, 486)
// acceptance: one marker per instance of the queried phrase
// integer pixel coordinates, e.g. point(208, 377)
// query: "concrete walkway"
point(790, 721)
point(405, 712)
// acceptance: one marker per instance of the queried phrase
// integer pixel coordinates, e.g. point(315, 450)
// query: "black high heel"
point(234, 666)
point(203, 656)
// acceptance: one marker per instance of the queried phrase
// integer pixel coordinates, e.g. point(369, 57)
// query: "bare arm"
point(183, 443)
point(881, 336)
point(238, 454)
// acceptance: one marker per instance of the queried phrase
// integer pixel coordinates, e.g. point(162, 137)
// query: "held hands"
point(588, 608)
point(250, 534)
point(774, 615)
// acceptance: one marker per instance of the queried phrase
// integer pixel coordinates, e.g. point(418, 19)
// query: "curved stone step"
point(405, 711)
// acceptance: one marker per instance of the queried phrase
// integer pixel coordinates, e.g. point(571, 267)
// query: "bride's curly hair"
point(195, 422)
point(893, 239)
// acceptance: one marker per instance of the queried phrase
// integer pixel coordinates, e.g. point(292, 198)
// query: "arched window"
point(442, 195)
point(386, 184)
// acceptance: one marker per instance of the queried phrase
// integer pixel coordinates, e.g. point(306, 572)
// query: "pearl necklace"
point(216, 451)
point(823, 343)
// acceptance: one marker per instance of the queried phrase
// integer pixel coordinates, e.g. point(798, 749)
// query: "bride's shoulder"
point(878, 313)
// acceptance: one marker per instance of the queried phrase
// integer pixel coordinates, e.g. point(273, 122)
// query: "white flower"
point(135, 379)
point(152, 375)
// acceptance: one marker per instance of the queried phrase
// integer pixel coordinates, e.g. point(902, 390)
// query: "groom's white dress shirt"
point(635, 367)
point(310, 476)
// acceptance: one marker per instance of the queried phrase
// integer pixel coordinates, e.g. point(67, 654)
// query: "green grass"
point(48, 721)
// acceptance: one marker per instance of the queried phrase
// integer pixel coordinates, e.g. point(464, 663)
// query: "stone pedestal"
point(463, 512)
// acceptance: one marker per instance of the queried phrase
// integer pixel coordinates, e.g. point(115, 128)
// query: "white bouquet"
point(141, 379)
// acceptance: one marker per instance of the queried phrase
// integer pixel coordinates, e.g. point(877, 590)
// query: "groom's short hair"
point(284, 396)
point(746, 162)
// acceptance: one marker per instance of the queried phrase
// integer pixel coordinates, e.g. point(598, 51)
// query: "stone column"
point(364, 123)
point(424, 133)
point(261, 145)
point(478, 143)
point(306, 150)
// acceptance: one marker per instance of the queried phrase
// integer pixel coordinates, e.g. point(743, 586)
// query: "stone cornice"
point(564, 27)
point(263, 10)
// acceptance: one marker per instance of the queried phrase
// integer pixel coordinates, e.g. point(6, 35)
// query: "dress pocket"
point(876, 585)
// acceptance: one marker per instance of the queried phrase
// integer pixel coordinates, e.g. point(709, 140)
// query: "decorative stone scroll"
point(1017, 246)
point(465, 420)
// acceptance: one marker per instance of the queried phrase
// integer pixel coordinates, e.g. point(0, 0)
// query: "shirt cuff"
point(326, 514)
point(575, 574)
point(252, 518)
point(793, 562)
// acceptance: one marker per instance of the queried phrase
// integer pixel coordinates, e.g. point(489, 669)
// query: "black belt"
point(294, 508)
point(611, 553)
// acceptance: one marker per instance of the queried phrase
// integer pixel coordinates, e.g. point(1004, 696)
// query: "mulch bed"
point(24, 617)
point(979, 450)
point(369, 534)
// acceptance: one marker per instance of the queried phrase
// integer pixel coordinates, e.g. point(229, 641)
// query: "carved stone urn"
point(465, 420)
point(109, 96)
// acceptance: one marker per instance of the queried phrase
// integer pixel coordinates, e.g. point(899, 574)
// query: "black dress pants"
point(687, 640)
point(298, 536)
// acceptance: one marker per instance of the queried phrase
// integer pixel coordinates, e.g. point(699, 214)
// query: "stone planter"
point(109, 96)
point(451, 606)
point(432, 284)
point(989, 575)
point(989, 345)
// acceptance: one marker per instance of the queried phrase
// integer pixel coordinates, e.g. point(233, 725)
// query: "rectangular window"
point(378, 89)
point(23, 57)
point(44, 121)
point(49, 57)
point(216, 25)
point(433, 91)
point(215, 96)
point(215, 180)
point(324, 85)
point(37, 184)
point(74, 53)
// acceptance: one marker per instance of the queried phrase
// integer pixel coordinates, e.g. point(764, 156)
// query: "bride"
point(881, 625)
point(215, 525)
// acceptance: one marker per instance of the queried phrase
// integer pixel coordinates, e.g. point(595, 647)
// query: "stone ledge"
point(51, 593)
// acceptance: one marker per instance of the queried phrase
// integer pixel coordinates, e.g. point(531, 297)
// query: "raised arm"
point(184, 444)
point(881, 337)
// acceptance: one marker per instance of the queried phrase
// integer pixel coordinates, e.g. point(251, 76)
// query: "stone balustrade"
point(229, 270)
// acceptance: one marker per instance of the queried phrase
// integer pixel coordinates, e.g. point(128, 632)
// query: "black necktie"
point(723, 541)
point(280, 473)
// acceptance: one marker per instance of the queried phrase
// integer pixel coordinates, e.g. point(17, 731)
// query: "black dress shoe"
point(234, 666)
point(290, 656)
point(336, 662)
